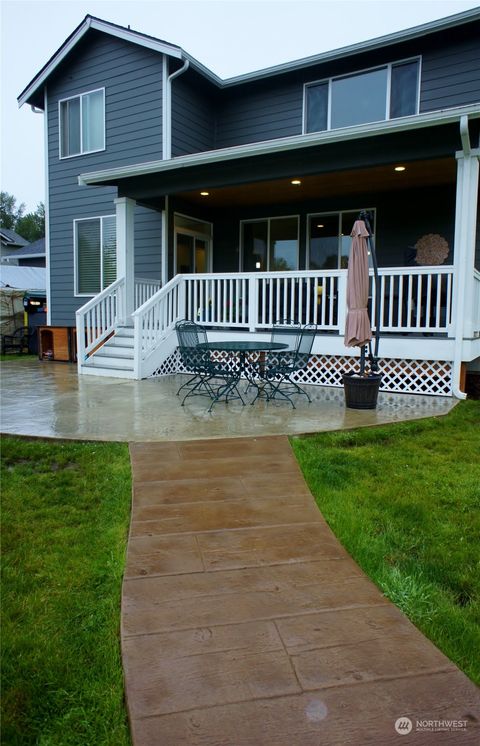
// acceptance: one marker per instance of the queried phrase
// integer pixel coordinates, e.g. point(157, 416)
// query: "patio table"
point(241, 348)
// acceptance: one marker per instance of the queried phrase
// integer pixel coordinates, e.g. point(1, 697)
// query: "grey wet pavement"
point(48, 399)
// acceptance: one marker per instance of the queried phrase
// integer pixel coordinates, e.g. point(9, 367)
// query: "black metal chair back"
point(286, 332)
point(304, 347)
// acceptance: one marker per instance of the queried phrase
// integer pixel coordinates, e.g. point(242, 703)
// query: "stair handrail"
point(98, 317)
point(156, 317)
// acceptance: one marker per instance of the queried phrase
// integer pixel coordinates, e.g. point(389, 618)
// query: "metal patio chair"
point(285, 332)
point(212, 377)
point(196, 360)
point(19, 341)
point(281, 366)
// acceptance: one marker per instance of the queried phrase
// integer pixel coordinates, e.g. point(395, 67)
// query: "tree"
point(30, 226)
point(10, 214)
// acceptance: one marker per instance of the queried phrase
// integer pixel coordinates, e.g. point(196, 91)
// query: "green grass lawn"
point(65, 520)
point(404, 500)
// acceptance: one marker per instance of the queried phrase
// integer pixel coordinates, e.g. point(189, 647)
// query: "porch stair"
point(114, 358)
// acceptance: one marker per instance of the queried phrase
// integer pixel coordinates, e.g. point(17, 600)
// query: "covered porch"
point(242, 246)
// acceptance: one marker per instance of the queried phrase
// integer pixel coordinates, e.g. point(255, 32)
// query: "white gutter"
point(295, 142)
point(167, 110)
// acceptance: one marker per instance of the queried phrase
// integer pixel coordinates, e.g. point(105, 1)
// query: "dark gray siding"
point(132, 78)
point(260, 111)
point(451, 73)
point(272, 108)
point(193, 115)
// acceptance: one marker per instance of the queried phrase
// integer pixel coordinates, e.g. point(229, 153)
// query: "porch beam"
point(125, 214)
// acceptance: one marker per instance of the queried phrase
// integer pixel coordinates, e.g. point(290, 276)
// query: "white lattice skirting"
point(400, 376)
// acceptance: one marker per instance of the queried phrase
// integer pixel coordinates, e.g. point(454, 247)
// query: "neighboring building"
point(159, 172)
point(10, 242)
point(31, 255)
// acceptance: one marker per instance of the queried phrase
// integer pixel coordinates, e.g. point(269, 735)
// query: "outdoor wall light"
point(400, 168)
point(296, 182)
point(258, 265)
point(204, 194)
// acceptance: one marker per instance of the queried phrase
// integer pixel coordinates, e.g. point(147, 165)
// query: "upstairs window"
point(82, 124)
point(374, 95)
point(95, 254)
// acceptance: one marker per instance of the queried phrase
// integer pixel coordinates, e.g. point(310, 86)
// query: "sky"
point(230, 37)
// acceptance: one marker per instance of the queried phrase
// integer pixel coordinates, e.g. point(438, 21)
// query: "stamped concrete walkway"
point(245, 622)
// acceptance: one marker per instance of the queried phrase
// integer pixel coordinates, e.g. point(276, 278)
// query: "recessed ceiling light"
point(204, 194)
point(399, 168)
point(320, 225)
point(296, 182)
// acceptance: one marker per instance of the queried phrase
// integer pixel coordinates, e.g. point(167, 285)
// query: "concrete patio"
point(48, 399)
point(244, 621)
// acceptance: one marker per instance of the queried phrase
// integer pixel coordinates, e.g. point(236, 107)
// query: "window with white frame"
point(95, 254)
point(270, 244)
point(82, 124)
point(386, 92)
point(329, 240)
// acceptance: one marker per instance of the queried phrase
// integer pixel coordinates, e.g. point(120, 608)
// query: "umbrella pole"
point(363, 349)
point(365, 216)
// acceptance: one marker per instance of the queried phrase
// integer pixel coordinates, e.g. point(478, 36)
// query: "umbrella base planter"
point(361, 392)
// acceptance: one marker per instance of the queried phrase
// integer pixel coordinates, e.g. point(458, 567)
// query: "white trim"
point(164, 106)
point(377, 43)
point(121, 33)
point(80, 96)
point(355, 73)
point(47, 209)
point(295, 142)
point(268, 221)
point(173, 51)
point(76, 294)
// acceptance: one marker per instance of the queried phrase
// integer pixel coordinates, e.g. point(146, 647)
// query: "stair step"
point(97, 370)
point(103, 361)
point(110, 350)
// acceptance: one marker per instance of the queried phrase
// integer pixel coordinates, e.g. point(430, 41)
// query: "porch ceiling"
point(360, 181)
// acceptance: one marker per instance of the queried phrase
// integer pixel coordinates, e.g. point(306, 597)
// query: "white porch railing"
point(144, 289)
point(155, 318)
point(414, 300)
point(99, 318)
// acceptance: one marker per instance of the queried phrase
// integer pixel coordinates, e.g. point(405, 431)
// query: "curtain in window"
point(88, 256)
point(109, 252)
point(70, 127)
point(92, 121)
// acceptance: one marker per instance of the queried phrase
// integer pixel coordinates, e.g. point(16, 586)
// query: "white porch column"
point(125, 212)
point(464, 256)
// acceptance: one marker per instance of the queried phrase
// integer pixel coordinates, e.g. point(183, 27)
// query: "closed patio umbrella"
point(358, 331)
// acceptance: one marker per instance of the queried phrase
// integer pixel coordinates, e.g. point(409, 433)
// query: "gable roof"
point(9, 237)
point(33, 250)
point(33, 91)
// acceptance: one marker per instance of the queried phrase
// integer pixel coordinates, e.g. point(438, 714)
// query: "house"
point(173, 193)
point(10, 243)
point(30, 255)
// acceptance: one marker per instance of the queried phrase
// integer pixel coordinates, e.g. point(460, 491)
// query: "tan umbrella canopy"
point(358, 331)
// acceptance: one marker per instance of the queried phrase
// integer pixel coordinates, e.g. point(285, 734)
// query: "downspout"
point(168, 108)
point(463, 171)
